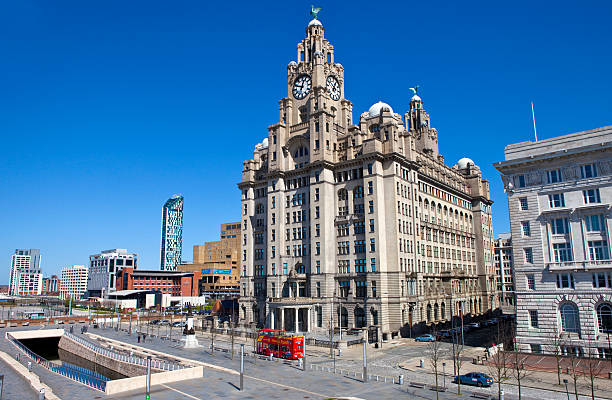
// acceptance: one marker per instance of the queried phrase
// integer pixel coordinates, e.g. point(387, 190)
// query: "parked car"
point(474, 325)
point(444, 334)
point(165, 322)
point(475, 379)
point(179, 324)
point(425, 338)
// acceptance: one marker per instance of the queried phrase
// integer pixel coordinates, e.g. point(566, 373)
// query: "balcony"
point(584, 265)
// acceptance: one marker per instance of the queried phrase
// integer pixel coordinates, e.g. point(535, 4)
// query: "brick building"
point(175, 283)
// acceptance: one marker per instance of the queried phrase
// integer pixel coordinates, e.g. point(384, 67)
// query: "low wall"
point(34, 380)
point(123, 368)
point(139, 382)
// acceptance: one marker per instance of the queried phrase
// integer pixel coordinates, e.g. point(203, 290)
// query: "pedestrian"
point(138, 338)
point(144, 337)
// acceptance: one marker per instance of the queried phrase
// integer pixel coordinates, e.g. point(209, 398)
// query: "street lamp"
point(444, 373)
point(566, 391)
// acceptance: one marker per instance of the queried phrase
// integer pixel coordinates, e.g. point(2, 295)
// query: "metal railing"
point(65, 370)
point(130, 359)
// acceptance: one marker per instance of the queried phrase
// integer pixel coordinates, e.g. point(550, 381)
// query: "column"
point(296, 319)
point(272, 317)
point(308, 315)
point(282, 319)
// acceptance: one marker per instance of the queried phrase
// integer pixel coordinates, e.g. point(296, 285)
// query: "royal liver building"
point(360, 225)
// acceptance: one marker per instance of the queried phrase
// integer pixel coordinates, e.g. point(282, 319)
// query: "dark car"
point(475, 379)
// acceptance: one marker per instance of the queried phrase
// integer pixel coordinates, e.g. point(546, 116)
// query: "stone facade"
point(504, 269)
point(559, 199)
point(360, 225)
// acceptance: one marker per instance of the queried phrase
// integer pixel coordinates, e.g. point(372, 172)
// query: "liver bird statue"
point(314, 11)
point(415, 89)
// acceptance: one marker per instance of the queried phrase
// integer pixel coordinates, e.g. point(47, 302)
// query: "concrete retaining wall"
point(34, 380)
point(139, 382)
point(123, 368)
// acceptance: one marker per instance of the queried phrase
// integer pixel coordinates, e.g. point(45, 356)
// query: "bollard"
point(501, 395)
point(241, 367)
point(41, 394)
point(401, 380)
point(339, 352)
point(421, 363)
point(270, 357)
point(17, 357)
point(1, 385)
point(30, 366)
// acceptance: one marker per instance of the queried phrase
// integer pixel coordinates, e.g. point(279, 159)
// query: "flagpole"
point(535, 131)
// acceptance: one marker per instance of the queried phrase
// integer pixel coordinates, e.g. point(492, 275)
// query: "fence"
point(66, 370)
point(157, 364)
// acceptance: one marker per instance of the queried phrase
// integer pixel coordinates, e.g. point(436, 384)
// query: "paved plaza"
point(284, 379)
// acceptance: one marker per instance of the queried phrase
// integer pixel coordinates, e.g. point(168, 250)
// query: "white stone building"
point(359, 224)
point(73, 282)
point(559, 199)
point(103, 269)
point(25, 273)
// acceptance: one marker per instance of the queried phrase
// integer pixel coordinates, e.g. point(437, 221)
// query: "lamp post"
point(148, 381)
point(444, 374)
point(566, 390)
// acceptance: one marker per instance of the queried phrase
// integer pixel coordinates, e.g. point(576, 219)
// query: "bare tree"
point(435, 352)
point(518, 361)
point(232, 326)
point(573, 363)
point(592, 367)
point(459, 348)
point(498, 360)
point(553, 347)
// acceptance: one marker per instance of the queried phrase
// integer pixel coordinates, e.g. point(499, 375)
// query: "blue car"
point(475, 379)
point(425, 338)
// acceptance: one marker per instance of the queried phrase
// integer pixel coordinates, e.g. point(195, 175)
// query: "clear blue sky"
point(107, 108)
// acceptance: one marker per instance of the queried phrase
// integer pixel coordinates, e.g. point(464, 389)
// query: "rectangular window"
point(563, 252)
point(553, 176)
point(520, 181)
point(318, 248)
point(284, 268)
point(598, 250)
point(317, 212)
point(602, 280)
point(559, 226)
point(595, 223)
point(536, 348)
point(533, 318)
point(528, 255)
point(371, 225)
point(591, 196)
point(531, 282)
point(318, 267)
point(565, 281)
point(556, 200)
point(370, 187)
point(373, 264)
point(370, 169)
point(524, 204)
point(373, 288)
point(316, 194)
point(526, 228)
point(588, 171)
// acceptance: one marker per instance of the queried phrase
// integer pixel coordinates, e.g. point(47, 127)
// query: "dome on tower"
point(378, 108)
point(415, 98)
point(315, 22)
point(338, 65)
point(464, 162)
point(292, 64)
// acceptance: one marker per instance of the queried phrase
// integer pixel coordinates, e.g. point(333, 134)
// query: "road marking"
point(183, 393)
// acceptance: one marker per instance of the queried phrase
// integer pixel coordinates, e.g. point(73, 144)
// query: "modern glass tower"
point(172, 233)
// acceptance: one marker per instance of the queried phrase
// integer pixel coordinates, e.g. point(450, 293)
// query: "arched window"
point(428, 312)
point(343, 317)
point(436, 312)
point(342, 193)
point(374, 317)
point(604, 317)
point(569, 317)
point(443, 310)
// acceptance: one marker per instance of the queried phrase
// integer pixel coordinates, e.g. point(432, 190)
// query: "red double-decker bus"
point(279, 344)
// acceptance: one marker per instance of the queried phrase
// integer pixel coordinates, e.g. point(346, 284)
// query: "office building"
point(172, 233)
point(559, 199)
point(175, 283)
point(103, 267)
point(218, 263)
point(25, 273)
point(359, 225)
point(51, 286)
point(502, 250)
point(74, 282)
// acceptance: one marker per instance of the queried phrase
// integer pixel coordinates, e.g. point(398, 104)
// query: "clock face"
point(302, 86)
point(333, 87)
